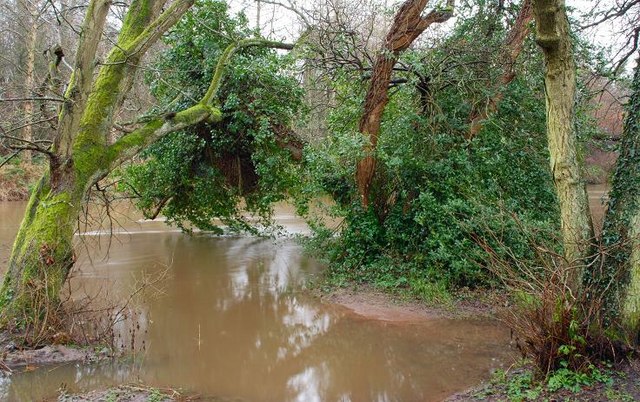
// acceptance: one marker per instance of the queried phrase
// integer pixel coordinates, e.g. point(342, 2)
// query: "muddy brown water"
point(229, 318)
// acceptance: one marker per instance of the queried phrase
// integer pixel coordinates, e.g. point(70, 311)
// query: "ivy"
point(199, 177)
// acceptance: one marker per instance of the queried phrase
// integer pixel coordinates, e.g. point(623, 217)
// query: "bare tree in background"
point(621, 20)
point(37, 34)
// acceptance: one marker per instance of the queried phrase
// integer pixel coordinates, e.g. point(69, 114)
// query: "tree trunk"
point(43, 251)
point(621, 229)
point(407, 25)
point(512, 49)
point(553, 37)
point(32, 36)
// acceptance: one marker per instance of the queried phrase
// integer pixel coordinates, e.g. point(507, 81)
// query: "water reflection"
point(230, 320)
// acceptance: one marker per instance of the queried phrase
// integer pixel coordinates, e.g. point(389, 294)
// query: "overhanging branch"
point(216, 81)
point(129, 145)
point(158, 27)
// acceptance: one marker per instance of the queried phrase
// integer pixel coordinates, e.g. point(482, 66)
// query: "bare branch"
point(291, 8)
point(30, 99)
point(612, 13)
point(31, 123)
point(9, 158)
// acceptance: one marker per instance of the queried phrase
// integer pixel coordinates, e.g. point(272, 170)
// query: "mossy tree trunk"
point(554, 39)
point(407, 25)
point(43, 251)
point(621, 229)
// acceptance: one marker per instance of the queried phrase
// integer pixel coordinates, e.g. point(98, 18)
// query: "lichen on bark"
point(553, 37)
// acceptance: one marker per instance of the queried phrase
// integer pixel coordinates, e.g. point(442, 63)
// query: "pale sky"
point(279, 23)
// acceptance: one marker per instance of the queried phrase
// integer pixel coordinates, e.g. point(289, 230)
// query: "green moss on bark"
point(42, 253)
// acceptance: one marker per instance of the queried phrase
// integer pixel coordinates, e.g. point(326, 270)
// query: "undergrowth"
point(17, 178)
point(522, 382)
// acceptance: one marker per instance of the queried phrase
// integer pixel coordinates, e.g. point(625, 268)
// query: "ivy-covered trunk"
point(621, 231)
point(554, 39)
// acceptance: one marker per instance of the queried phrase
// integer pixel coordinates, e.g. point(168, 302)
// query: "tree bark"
point(511, 50)
point(407, 25)
point(554, 39)
point(621, 229)
point(30, 67)
point(43, 251)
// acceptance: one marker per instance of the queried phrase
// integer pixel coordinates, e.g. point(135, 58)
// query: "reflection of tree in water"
point(257, 335)
point(231, 323)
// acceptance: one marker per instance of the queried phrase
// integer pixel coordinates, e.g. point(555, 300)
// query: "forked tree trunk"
point(43, 251)
point(553, 37)
point(407, 25)
point(621, 229)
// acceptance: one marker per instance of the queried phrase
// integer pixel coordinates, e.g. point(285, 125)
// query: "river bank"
point(362, 307)
point(511, 382)
point(16, 180)
point(234, 317)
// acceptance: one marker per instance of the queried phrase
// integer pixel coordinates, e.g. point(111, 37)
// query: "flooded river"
point(228, 317)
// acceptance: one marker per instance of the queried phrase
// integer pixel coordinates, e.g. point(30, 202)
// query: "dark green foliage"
point(447, 193)
point(439, 194)
point(201, 174)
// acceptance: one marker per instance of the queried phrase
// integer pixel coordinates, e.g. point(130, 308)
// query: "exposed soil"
point(14, 357)
point(376, 304)
point(52, 354)
point(138, 393)
point(123, 393)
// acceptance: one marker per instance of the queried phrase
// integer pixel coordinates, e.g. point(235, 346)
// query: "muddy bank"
point(16, 180)
point(360, 308)
point(141, 393)
point(376, 304)
point(136, 393)
point(49, 355)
